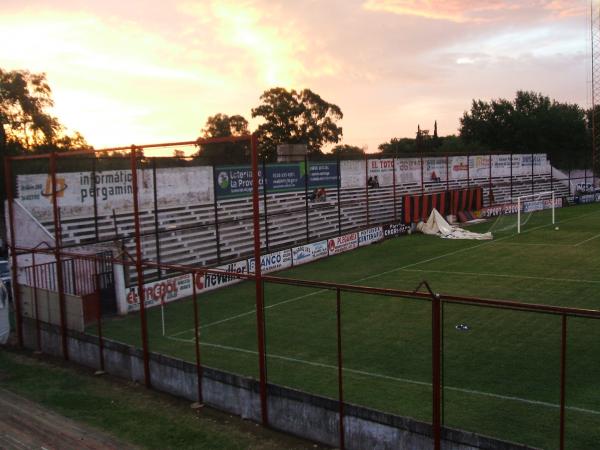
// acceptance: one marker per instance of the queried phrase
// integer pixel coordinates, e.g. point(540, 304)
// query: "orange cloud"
point(461, 11)
point(267, 40)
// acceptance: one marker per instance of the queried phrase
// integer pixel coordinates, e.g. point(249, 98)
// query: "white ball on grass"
point(556, 228)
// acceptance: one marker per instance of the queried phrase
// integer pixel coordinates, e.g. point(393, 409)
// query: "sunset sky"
point(142, 71)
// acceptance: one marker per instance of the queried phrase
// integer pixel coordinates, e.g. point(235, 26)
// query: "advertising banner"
point(434, 169)
point(210, 281)
point(479, 166)
point(112, 189)
point(234, 181)
point(273, 261)
point(353, 174)
point(497, 210)
point(309, 252)
point(395, 229)
point(322, 174)
point(459, 168)
point(408, 170)
point(175, 288)
point(383, 169)
point(285, 177)
point(501, 166)
point(535, 205)
point(511, 208)
point(587, 198)
point(158, 292)
point(370, 235)
point(342, 244)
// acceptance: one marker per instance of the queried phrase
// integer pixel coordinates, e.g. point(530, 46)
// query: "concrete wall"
point(48, 307)
point(295, 412)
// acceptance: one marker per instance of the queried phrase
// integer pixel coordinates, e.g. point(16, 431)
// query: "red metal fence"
point(63, 286)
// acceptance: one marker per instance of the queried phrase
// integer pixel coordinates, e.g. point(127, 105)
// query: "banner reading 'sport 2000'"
point(235, 181)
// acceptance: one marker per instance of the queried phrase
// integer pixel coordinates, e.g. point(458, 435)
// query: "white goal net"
point(525, 207)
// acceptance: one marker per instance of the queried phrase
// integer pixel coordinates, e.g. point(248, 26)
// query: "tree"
point(531, 123)
point(346, 151)
point(26, 126)
point(24, 99)
point(222, 125)
point(398, 146)
point(296, 117)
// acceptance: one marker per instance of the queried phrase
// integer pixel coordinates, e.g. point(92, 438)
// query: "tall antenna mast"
point(595, 39)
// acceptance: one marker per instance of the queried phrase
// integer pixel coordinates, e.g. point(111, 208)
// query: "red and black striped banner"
point(418, 207)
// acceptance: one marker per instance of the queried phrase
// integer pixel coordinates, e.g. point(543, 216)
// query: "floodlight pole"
point(260, 319)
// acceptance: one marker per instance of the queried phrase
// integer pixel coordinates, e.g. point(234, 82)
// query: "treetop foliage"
point(296, 117)
point(531, 123)
point(222, 125)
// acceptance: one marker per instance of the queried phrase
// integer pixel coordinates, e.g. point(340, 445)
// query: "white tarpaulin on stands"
point(437, 225)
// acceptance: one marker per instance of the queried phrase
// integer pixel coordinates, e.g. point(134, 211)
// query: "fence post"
point(468, 172)
point(511, 177)
point(340, 368)
point(422, 180)
point(394, 188)
point(265, 210)
point(95, 197)
point(339, 200)
point(216, 214)
point(532, 179)
point(196, 337)
point(447, 173)
point(260, 320)
point(563, 376)
point(98, 286)
point(58, 258)
point(156, 239)
point(436, 370)
point(35, 303)
point(306, 215)
point(138, 266)
point(367, 185)
point(13, 249)
point(490, 195)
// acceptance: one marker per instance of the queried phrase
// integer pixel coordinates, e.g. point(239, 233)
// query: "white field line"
point(587, 240)
point(377, 275)
point(521, 244)
point(398, 379)
point(566, 280)
point(247, 313)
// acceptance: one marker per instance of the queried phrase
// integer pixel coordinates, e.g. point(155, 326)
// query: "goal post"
point(528, 204)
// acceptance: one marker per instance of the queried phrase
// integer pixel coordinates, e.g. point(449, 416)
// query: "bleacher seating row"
point(188, 234)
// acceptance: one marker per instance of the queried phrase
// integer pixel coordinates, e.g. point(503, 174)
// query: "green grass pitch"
point(501, 377)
